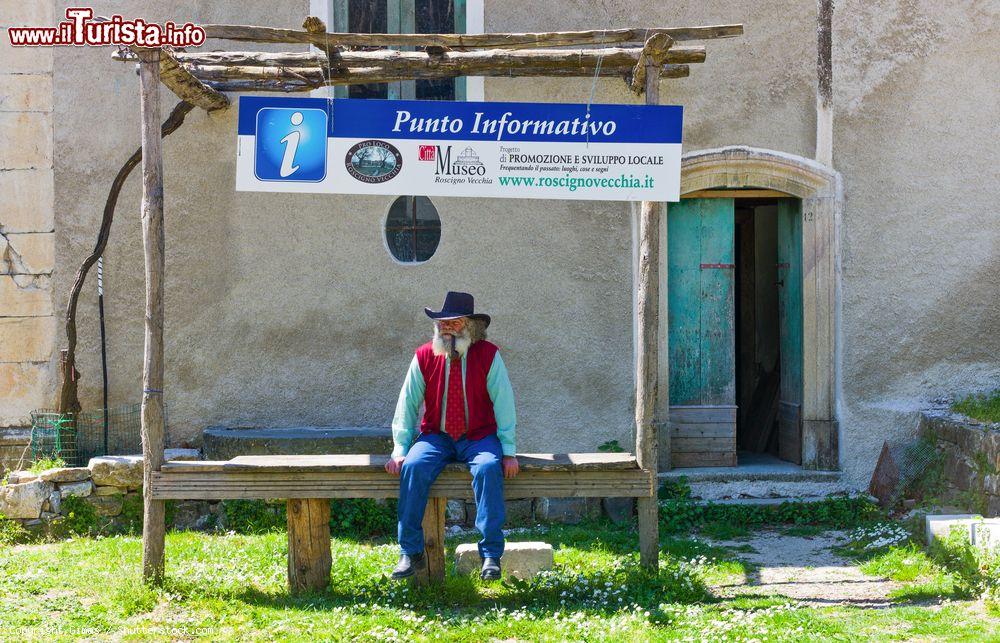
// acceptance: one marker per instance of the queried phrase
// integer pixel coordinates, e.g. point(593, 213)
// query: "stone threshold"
point(752, 468)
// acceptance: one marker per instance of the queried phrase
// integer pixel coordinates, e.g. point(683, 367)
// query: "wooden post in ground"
point(309, 558)
point(153, 515)
point(648, 307)
point(433, 569)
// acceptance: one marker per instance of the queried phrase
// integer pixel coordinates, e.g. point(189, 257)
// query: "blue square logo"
point(291, 144)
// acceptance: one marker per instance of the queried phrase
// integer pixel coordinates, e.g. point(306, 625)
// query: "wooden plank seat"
point(307, 482)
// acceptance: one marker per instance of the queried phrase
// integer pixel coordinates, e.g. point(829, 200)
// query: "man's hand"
point(510, 466)
point(394, 465)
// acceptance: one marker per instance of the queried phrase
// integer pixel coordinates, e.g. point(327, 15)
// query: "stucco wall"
point(286, 309)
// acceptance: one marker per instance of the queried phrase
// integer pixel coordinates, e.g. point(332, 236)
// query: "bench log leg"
point(649, 532)
point(309, 557)
point(433, 569)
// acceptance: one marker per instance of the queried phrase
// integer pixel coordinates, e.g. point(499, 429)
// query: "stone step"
point(223, 443)
point(767, 489)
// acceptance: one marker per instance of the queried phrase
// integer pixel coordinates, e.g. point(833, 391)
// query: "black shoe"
point(491, 569)
point(407, 565)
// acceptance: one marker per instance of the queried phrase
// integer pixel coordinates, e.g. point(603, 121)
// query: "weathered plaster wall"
point(286, 309)
point(27, 241)
point(915, 120)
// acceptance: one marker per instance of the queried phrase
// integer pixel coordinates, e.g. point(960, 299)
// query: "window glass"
point(367, 16)
point(435, 16)
point(412, 229)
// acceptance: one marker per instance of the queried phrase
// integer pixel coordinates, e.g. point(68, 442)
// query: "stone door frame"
point(821, 190)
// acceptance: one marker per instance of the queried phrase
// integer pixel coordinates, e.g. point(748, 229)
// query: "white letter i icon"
point(291, 142)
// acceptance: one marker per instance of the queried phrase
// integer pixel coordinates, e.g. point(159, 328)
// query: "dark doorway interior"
point(758, 340)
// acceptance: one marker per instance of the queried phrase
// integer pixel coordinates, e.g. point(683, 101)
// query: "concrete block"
point(27, 139)
point(27, 339)
point(941, 526)
point(27, 253)
point(566, 510)
point(519, 512)
point(520, 560)
point(619, 510)
point(454, 511)
point(222, 443)
point(25, 296)
point(28, 198)
point(986, 534)
point(26, 93)
point(181, 454)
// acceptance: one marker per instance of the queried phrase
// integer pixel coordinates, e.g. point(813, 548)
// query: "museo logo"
point(291, 144)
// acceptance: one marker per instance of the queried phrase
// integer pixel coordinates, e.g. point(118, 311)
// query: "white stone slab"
point(986, 534)
point(520, 560)
point(941, 526)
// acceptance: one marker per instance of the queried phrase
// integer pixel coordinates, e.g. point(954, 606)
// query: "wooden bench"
point(308, 482)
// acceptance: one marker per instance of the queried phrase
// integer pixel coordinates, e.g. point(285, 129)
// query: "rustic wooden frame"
point(201, 78)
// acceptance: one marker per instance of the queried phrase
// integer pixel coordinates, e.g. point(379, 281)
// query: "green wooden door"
point(790, 328)
point(701, 331)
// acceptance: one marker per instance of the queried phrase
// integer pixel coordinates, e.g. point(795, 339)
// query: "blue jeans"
point(425, 460)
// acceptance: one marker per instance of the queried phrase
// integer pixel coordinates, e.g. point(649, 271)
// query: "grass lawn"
point(232, 587)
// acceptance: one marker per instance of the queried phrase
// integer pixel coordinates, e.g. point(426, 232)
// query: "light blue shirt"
point(405, 423)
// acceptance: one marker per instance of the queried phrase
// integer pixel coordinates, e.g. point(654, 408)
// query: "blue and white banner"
point(445, 148)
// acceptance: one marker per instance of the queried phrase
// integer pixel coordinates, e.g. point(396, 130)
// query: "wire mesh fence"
point(111, 431)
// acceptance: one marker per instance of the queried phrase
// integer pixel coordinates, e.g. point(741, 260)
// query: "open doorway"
point(768, 337)
point(734, 274)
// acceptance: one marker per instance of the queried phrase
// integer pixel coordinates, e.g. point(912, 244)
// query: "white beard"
point(442, 346)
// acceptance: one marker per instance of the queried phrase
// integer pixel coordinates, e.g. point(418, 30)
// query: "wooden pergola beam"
point(290, 79)
point(347, 68)
point(466, 41)
point(615, 56)
point(653, 54)
point(188, 88)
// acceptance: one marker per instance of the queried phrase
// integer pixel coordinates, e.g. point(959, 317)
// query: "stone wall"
point(971, 453)
point(38, 500)
point(109, 484)
point(27, 239)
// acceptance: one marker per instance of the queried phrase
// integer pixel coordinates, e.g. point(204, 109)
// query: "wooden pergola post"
point(646, 340)
point(153, 515)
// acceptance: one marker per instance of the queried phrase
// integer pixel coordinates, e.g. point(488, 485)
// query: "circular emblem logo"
point(373, 161)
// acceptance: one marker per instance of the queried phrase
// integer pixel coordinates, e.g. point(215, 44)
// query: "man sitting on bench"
point(468, 417)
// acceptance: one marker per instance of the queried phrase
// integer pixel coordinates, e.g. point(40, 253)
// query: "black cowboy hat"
point(457, 304)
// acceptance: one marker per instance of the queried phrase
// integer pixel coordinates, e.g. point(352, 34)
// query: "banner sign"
point(450, 148)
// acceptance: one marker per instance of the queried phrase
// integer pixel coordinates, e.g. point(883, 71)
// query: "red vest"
point(478, 361)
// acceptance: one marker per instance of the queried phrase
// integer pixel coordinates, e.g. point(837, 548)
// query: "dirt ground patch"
point(806, 569)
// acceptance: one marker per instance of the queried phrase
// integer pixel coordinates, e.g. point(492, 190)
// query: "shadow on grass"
point(606, 592)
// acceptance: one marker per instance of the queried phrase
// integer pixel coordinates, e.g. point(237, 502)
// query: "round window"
point(412, 229)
